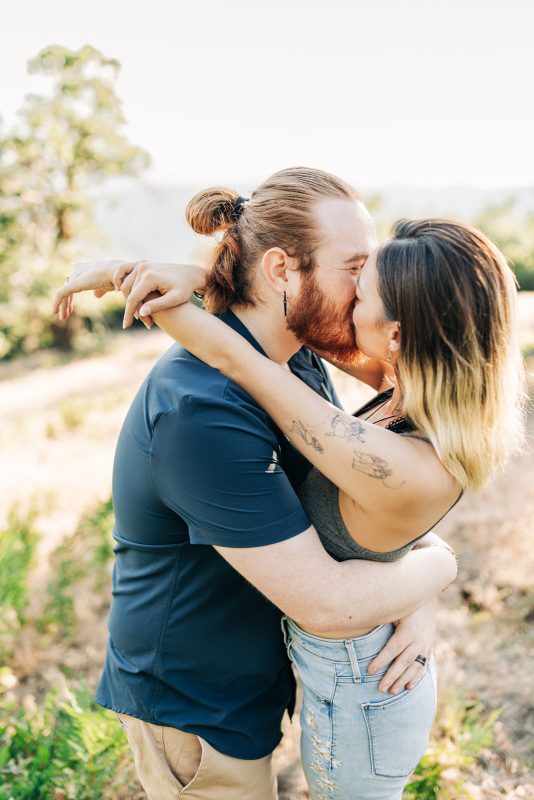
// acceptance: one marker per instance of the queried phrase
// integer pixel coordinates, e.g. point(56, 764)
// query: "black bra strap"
point(374, 401)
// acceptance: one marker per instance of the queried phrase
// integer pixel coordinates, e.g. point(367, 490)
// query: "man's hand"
point(414, 635)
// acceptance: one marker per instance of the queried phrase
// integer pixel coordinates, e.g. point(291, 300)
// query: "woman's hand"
point(414, 636)
point(175, 283)
point(95, 275)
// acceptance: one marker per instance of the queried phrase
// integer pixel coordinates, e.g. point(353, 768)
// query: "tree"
point(512, 230)
point(65, 144)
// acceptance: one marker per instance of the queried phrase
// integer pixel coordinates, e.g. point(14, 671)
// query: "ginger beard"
point(318, 323)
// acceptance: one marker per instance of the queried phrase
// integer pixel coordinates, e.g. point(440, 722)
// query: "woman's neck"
point(395, 404)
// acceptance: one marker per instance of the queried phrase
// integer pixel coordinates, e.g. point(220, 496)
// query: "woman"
point(436, 303)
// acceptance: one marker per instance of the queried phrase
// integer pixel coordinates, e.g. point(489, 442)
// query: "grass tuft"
point(17, 549)
point(463, 732)
point(84, 554)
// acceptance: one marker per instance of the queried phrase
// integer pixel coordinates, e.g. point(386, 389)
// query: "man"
point(207, 513)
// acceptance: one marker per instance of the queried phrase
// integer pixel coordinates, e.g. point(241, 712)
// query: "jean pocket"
point(398, 728)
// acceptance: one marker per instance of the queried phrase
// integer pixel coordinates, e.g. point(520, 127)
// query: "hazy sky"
point(418, 92)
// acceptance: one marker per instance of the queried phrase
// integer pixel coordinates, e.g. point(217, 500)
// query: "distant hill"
point(147, 221)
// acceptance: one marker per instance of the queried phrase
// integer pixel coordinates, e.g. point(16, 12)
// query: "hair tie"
point(239, 207)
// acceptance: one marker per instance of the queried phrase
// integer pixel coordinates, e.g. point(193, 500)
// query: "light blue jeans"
point(357, 743)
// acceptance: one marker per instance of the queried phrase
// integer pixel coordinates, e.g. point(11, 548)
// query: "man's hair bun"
point(212, 210)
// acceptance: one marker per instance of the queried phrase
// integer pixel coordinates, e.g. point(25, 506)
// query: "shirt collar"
point(233, 321)
point(304, 364)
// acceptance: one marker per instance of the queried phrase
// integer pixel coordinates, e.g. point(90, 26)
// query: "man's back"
point(192, 644)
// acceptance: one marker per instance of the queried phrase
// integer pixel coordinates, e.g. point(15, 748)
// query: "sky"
point(382, 92)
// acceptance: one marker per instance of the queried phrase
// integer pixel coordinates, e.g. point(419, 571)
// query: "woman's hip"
point(353, 735)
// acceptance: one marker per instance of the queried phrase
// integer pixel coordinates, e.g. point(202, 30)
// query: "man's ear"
point(274, 266)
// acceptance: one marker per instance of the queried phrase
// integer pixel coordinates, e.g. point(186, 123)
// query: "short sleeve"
point(215, 463)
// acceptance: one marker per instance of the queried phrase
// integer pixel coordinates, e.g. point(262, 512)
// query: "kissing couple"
point(259, 525)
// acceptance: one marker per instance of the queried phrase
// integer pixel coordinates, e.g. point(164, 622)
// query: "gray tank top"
point(319, 496)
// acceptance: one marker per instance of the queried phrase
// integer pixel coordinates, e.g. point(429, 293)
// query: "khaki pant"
point(172, 765)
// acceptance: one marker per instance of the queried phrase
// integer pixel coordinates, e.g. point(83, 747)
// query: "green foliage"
point(83, 555)
point(513, 232)
point(66, 748)
point(463, 732)
point(66, 143)
point(17, 548)
point(70, 749)
point(101, 524)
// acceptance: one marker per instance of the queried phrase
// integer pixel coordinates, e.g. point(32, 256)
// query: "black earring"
point(285, 304)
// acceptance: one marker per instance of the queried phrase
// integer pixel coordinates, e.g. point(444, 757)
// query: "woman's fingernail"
point(145, 311)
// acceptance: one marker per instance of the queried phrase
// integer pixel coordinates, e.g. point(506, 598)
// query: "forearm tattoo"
point(301, 430)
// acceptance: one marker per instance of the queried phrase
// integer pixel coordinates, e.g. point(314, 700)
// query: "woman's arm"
point(175, 282)
point(373, 466)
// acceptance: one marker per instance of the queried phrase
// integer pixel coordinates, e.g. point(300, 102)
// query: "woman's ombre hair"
point(459, 364)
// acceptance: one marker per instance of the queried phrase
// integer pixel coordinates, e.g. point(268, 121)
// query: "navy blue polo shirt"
point(192, 644)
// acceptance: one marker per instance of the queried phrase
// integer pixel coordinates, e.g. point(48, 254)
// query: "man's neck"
point(270, 331)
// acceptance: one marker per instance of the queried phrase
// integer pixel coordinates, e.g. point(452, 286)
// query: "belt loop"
point(285, 632)
point(349, 645)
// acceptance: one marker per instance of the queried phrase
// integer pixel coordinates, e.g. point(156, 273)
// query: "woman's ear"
point(395, 337)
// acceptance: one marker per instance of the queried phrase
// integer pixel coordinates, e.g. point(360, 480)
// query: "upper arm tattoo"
point(348, 430)
point(301, 430)
point(373, 466)
point(343, 429)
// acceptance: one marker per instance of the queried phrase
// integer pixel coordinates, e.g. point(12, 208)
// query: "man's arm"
point(371, 371)
point(341, 598)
